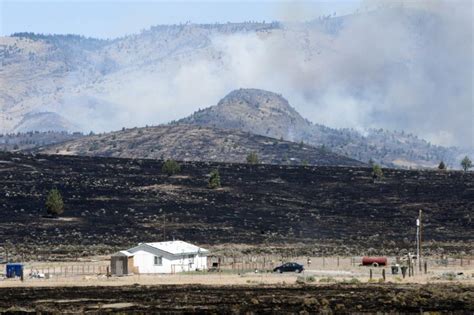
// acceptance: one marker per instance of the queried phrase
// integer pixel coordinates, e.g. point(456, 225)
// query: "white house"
point(161, 257)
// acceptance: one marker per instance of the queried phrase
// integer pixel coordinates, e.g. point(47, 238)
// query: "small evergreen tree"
point(442, 166)
point(171, 167)
point(252, 158)
point(377, 172)
point(54, 202)
point(466, 163)
point(214, 180)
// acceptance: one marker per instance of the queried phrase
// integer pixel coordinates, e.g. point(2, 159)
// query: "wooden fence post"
point(370, 275)
point(383, 274)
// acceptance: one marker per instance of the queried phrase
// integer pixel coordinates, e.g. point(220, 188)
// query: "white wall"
point(145, 262)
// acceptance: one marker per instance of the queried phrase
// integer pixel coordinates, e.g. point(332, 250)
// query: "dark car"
point(289, 267)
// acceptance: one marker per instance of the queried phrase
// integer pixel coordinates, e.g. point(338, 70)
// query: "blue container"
point(14, 270)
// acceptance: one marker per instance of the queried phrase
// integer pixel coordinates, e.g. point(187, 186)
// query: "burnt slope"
point(114, 203)
point(195, 143)
point(270, 114)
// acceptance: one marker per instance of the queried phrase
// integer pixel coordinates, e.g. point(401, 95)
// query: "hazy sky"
point(109, 19)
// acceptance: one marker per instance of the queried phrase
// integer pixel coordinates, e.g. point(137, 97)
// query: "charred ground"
point(372, 298)
point(113, 203)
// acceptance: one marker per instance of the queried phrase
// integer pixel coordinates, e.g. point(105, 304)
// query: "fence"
point(243, 263)
point(67, 270)
point(266, 262)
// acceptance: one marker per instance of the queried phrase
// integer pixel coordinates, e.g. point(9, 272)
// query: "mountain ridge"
point(250, 110)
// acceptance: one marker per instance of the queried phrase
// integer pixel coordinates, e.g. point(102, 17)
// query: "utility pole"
point(418, 239)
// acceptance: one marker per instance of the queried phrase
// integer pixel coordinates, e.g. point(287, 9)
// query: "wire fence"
point(65, 271)
point(265, 262)
point(246, 263)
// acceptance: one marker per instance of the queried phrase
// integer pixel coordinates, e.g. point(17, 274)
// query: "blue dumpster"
point(14, 270)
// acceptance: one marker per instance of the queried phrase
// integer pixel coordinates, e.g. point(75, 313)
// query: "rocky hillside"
point(270, 114)
point(112, 203)
point(257, 111)
point(87, 82)
point(195, 143)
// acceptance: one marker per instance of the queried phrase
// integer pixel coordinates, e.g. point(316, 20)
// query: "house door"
point(119, 267)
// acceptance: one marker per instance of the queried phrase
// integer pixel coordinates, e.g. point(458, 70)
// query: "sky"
point(111, 19)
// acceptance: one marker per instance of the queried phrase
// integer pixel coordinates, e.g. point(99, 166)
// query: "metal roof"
point(178, 247)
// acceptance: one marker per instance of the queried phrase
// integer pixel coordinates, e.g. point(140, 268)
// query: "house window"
point(158, 260)
point(191, 259)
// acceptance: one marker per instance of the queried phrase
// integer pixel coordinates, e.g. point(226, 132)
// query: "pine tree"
point(442, 166)
point(377, 172)
point(214, 180)
point(171, 167)
point(252, 158)
point(466, 163)
point(54, 202)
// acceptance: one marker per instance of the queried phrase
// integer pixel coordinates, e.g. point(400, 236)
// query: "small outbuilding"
point(14, 270)
point(160, 257)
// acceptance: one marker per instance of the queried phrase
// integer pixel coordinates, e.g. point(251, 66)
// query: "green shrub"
point(303, 280)
point(171, 167)
point(442, 166)
point(328, 279)
point(351, 281)
point(54, 202)
point(214, 180)
point(310, 279)
point(377, 172)
point(252, 158)
point(300, 280)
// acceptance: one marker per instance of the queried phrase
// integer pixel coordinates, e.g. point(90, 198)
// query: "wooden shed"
point(121, 263)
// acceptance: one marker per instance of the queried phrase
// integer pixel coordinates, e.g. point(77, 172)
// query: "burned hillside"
point(111, 203)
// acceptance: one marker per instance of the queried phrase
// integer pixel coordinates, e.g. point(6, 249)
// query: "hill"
point(270, 114)
point(113, 203)
point(195, 143)
point(257, 111)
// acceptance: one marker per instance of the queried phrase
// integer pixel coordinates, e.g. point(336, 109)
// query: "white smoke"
point(409, 67)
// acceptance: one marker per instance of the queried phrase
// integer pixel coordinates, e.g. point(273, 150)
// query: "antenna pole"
point(419, 238)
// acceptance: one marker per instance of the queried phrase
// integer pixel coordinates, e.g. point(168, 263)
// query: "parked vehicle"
point(289, 267)
point(374, 261)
